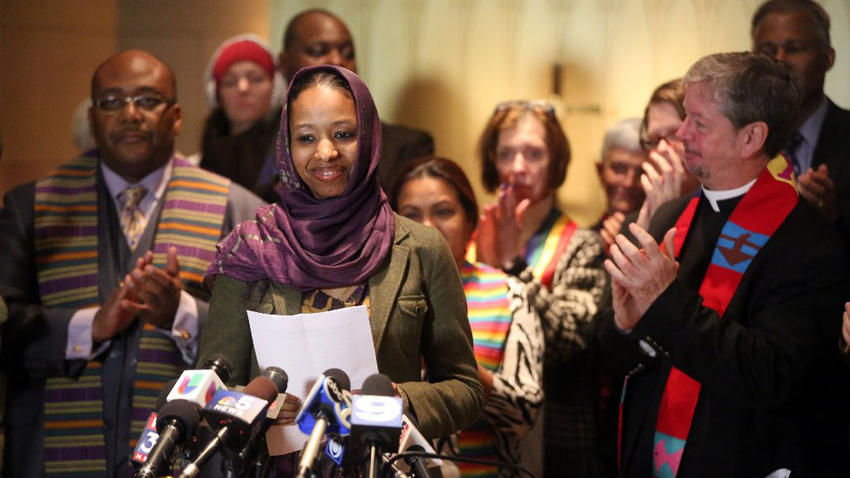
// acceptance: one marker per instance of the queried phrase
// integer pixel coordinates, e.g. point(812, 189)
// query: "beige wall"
point(436, 64)
point(49, 49)
point(443, 65)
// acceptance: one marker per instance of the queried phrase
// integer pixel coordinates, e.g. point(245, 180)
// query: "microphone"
point(149, 436)
point(194, 386)
point(239, 415)
point(256, 451)
point(413, 440)
point(199, 386)
point(177, 421)
point(325, 410)
point(376, 421)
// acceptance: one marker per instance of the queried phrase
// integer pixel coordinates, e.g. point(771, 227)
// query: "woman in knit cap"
point(243, 88)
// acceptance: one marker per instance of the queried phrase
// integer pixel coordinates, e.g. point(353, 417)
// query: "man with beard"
point(102, 267)
point(729, 328)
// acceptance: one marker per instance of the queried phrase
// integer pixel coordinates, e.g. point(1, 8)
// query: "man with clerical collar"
point(318, 37)
point(102, 267)
point(727, 311)
point(797, 32)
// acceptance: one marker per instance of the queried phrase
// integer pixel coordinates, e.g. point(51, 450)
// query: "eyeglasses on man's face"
point(112, 104)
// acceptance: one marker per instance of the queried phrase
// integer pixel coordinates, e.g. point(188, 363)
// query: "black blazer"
point(769, 368)
point(833, 150)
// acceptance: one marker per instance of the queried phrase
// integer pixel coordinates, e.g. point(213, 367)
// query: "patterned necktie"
point(132, 219)
point(790, 151)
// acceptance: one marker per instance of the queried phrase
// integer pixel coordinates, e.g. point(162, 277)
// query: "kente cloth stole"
point(67, 265)
point(548, 244)
point(486, 292)
point(756, 217)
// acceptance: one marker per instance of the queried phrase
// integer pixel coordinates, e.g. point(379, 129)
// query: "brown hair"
point(506, 116)
point(445, 170)
point(672, 93)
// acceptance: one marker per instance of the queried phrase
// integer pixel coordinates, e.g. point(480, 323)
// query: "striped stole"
point(486, 291)
point(548, 244)
point(756, 217)
point(67, 265)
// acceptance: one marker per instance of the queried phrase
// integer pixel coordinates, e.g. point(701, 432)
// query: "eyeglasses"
point(145, 101)
point(650, 143)
point(541, 105)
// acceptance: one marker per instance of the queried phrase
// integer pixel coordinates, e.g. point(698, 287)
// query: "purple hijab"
point(308, 243)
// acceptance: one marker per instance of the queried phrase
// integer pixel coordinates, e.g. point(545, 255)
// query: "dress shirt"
point(184, 329)
point(810, 131)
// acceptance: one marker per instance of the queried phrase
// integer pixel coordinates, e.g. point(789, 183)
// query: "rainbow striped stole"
point(67, 267)
point(548, 244)
point(756, 217)
point(490, 320)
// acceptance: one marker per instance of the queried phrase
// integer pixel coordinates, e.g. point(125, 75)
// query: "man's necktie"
point(132, 219)
point(790, 151)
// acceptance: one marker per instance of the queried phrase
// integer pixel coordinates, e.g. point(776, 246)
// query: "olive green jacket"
point(417, 309)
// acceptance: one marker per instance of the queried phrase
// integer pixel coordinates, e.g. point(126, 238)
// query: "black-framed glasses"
point(146, 101)
point(541, 105)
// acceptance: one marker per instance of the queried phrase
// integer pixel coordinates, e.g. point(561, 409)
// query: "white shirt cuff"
point(184, 329)
point(79, 344)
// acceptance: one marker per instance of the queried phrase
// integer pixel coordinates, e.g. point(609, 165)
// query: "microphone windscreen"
point(220, 365)
point(261, 387)
point(278, 377)
point(378, 384)
point(340, 377)
point(186, 413)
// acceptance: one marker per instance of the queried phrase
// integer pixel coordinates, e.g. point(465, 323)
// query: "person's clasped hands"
point(147, 292)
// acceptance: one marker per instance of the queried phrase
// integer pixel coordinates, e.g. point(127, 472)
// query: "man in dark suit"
point(318, 37)
point(101, 268)
point(797, 32)
point(729, 329)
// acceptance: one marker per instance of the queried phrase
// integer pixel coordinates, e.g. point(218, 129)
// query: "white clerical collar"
point(717, 195)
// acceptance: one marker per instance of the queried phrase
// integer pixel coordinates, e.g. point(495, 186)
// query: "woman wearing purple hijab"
point(332, 241)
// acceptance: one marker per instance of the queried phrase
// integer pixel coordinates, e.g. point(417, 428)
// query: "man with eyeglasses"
point(102, 267)
point(797, 32)
point(318, 37)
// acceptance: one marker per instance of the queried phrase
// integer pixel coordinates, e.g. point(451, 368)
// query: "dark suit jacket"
point(833, 150)
point(36, 336)
point(768, 368)
point(417, 310)
point(400, 145)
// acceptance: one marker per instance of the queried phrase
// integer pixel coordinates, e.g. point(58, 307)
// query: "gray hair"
point(751, 87)
point(625, 135)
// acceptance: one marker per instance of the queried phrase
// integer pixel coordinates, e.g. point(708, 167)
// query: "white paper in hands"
point(305, 345)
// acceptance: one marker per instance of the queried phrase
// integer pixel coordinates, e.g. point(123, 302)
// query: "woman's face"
point(522, 159)
point(323, 139)
point(245, 93)
point(433, 202)
point(662, 122)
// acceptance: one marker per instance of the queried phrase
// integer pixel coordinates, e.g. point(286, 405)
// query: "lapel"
point(832, 133)
point(384, 286)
